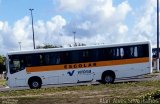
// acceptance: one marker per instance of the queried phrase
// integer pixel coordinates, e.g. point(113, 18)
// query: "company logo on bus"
point(71, 73)
point(84, 72)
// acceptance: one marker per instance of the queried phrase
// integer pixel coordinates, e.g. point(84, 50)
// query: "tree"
point(77, 44)
point(48, 46)
point(2, 66)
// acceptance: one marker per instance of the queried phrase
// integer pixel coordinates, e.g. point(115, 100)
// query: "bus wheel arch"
point(35, 82)
point(108, 77)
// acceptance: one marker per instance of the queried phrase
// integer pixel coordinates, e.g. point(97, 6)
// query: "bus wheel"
point(108, 77)
point(35, 83)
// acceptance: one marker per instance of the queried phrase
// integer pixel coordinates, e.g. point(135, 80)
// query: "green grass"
point(130, 92)
point(2, 82)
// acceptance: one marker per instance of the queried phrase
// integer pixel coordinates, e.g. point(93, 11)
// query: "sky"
point(94, 21)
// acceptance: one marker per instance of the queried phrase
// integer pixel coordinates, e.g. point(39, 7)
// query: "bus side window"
point(54, 58)
point(102, 54)
point(121, 53)
point(22, 64)
point(75, 57)
point(58, 60)
point(131, 52)
point(41, 61)
point(28, 60)
point(109, 54)
point(82, 55)
point(47, 58)
point(140, 51)
point(16, 64)
point(127, 53)
point(87, 55)
point(143, 50)
point(114, 53)
point(118, 53)
point(63, 58)
point(135, 52)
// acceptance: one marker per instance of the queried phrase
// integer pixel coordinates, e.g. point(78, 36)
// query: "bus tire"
point(108, 77)
point(35, 83)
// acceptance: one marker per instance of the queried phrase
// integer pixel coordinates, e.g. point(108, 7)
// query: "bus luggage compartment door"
point(85, 75)
point(68, 77)
point(20, 82)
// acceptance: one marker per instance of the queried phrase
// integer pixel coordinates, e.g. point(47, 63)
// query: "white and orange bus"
point(103, 63)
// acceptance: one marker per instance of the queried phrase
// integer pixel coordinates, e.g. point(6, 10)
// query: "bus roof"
point(73, 48)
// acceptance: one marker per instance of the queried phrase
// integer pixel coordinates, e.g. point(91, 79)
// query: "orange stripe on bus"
point(86, 65)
